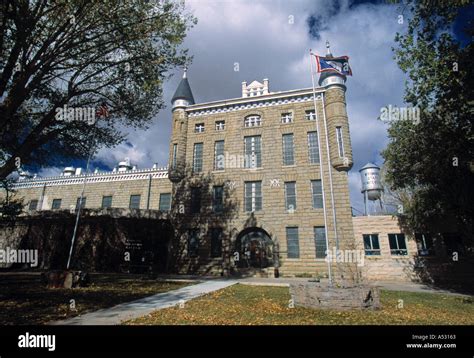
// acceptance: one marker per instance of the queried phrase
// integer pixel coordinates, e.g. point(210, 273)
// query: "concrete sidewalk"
point(129, 310)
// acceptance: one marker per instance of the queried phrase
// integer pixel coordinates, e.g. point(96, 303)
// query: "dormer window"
point(310, 115)
point(287, 117)
point(252, 121)
point(220, 125)
point(199, 128)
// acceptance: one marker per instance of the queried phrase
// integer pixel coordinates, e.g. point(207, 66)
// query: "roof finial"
point(328, 47)
point(185, 70)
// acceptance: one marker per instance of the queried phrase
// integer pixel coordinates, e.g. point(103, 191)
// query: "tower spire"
point(183, 96)
point(328, 50)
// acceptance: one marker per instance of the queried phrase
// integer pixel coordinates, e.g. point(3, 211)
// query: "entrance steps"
point(268, 272)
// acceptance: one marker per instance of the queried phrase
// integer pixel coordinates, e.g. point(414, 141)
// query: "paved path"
point(129, 310)
point(415, 287)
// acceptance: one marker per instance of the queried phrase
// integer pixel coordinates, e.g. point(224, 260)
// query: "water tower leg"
point(365, 203)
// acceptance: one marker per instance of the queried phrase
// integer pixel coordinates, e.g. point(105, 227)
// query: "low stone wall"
point(322, 296)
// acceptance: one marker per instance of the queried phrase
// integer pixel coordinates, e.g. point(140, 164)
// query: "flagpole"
point(78, 214)
point(321, 169)
point(330, 173)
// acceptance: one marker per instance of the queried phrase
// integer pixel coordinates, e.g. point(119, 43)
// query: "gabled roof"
point(255, 84)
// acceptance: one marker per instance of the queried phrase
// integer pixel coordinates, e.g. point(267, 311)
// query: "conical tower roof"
point(184, 91)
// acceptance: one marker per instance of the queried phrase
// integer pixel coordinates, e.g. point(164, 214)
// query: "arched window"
point(254, 120)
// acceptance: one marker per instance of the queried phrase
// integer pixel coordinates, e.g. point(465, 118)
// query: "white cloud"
point(50, 172)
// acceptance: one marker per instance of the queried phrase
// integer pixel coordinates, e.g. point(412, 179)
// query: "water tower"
point(371, 185)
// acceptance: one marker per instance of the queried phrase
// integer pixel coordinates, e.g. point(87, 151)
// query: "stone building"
point(255, 184)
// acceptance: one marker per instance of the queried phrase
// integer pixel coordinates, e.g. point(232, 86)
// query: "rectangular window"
point(193, 242)
point(290, 195)
point(218, 199)
point(310, 115)
point(317, 194)
point(216, 242)
point(287, 117)
point(220, 125)
point(165, 202)
point(195, 200)
point(253, 152)
point(288, 155)
point(134, 202)
point(292, 242)
point(320, 242)
point(56, 204)
point(197, 159)
point(106, 202)
point(33, 205)
point(397, 244)
point(175, 153)
point(340, 142)
point(313, 148)
point(199, 128)
point(79, 204)
point(219, 158)
point(425, 245)
point(253, 196)
point(371, 244)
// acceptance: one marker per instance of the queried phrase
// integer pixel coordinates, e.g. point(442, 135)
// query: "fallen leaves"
point(254, 305)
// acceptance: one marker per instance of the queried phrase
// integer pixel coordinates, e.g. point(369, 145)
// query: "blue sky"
point(270, 39)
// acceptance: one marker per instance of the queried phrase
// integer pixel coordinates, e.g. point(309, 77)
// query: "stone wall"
point(120, 191)
point(385, 267)
point(321, 296)
point(439, 269)
point(113, 240)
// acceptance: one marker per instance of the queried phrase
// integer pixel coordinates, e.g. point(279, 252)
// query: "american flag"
point(102, 111)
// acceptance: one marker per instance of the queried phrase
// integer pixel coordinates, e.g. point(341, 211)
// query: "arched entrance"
point(255, 248)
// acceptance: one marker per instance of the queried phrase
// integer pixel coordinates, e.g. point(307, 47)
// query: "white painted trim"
point(160, 173)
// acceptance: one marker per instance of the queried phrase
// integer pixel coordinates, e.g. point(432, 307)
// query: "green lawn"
point(254, 305)
point(24, 300)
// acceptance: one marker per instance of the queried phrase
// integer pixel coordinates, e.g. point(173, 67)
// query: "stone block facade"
point(385, 266)
point(207, 125)
point(443, 262)
point(259, 237)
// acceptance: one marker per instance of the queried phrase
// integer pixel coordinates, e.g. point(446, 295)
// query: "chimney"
point(266, 90)
point(244, 89)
